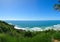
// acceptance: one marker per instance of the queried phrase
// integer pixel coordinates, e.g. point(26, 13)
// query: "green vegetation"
point(57, 6)
point(9, 34)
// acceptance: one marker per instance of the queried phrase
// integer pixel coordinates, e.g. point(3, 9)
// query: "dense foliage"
point(9, 34)
point(57, 5)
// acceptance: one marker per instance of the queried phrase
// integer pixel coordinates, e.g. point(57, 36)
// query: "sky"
point(28, 10)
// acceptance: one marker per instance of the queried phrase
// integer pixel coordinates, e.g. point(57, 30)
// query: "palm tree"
point(57, 6)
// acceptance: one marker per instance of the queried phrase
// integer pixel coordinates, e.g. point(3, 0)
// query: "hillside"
point(9, 34)
point(5, 27)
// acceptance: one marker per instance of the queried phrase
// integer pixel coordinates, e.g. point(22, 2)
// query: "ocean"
point(36, 25)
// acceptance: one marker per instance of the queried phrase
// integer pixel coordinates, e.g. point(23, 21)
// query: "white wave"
point(16, 27)
point(54, 27)
point(10, 23)
point(48, 28)
point(29, 29)
point(36, 29)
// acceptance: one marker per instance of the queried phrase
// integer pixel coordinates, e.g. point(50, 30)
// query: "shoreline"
point(54, 27)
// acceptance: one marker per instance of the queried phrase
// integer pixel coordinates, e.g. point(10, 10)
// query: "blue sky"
point(28, 10)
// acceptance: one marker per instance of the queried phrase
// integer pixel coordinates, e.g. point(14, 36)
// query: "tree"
point(57, 6)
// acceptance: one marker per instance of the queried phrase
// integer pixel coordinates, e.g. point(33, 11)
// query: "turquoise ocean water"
point(31, 24)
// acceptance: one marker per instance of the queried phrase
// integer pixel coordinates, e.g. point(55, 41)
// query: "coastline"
point(54, 27)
